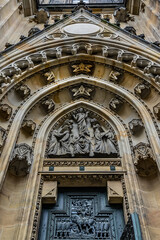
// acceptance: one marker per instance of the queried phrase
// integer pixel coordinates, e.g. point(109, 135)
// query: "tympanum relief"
point(81, 134)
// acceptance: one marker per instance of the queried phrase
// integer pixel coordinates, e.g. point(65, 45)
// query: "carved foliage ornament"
point(81, 135)
point(29, 126)
point(115, 104)
point(156, 110)
point(115, 76)
point(142, 90)
point(135, 126)
point(21, 160)
point(82, 68)
point(144, 160)
point(82, 91)
point(2, 136)
point(48, 105)
point(23, 90)
point(5, 111)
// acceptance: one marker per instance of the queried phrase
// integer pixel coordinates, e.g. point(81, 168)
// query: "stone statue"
point(81, 135)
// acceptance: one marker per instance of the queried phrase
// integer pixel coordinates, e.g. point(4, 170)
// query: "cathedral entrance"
point(81, 213)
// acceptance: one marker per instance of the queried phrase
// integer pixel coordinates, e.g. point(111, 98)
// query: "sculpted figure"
point(59, 143)
point(103, 141)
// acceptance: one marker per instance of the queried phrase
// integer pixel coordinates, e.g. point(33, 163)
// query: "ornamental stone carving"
point(49, 192)
point(114, 76)
point(5, 111)
point(142, 90)
point(50, 77)
point(82, 91)
point(135, 126)
point(21, 160)
point(29, 126)
point(121, 15)
point(2, 137)
point(82, 68)
point(23, 90)
point(144, 160)
point(81, 135)
point(156, 110)
point(115, 104)
point(42, 16)
point(48, 105)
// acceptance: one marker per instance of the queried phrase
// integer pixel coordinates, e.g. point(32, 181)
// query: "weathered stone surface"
point(142, 90)
point(5, 111)
point(144, 160)
point(29, 126)
point(115, 104)
point(156, 110)
point(21, 160)
point(135, 126)
point(49, 192)
point(115, 192)
point(48, 105)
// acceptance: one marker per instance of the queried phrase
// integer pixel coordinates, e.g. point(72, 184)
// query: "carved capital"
point(23, 90)
point(29, 126)
point(115, 104)
point(135, 126)
point(115, 192)
point(142, 90)
point(156, 110)
point(21, 160)
point(144, 160)
point(5, 111)
point(49, 192)
point(48, 105)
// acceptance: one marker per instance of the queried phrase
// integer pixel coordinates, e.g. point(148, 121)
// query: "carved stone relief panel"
point(21, 160)
point(144, 160)
point(82, 90)
point(81, 134)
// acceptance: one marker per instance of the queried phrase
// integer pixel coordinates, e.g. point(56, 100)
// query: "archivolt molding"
point(123, 58)
point(39, 151)
point(35, 98)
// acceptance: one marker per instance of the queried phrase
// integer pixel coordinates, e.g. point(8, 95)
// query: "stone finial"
point(121, 15)
point(82, 68)
point(144, 160)
point(135, 126)
point(156, 110)
point(48, 105)
point(42, 16)
point(114, 76)
point(82, 91)
point(142, 90)
point(29, 126)
point(23, 90)
point(115, 104)
point(21, 160)
point(115, 192)
point(49, 192)
point(5, 111)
